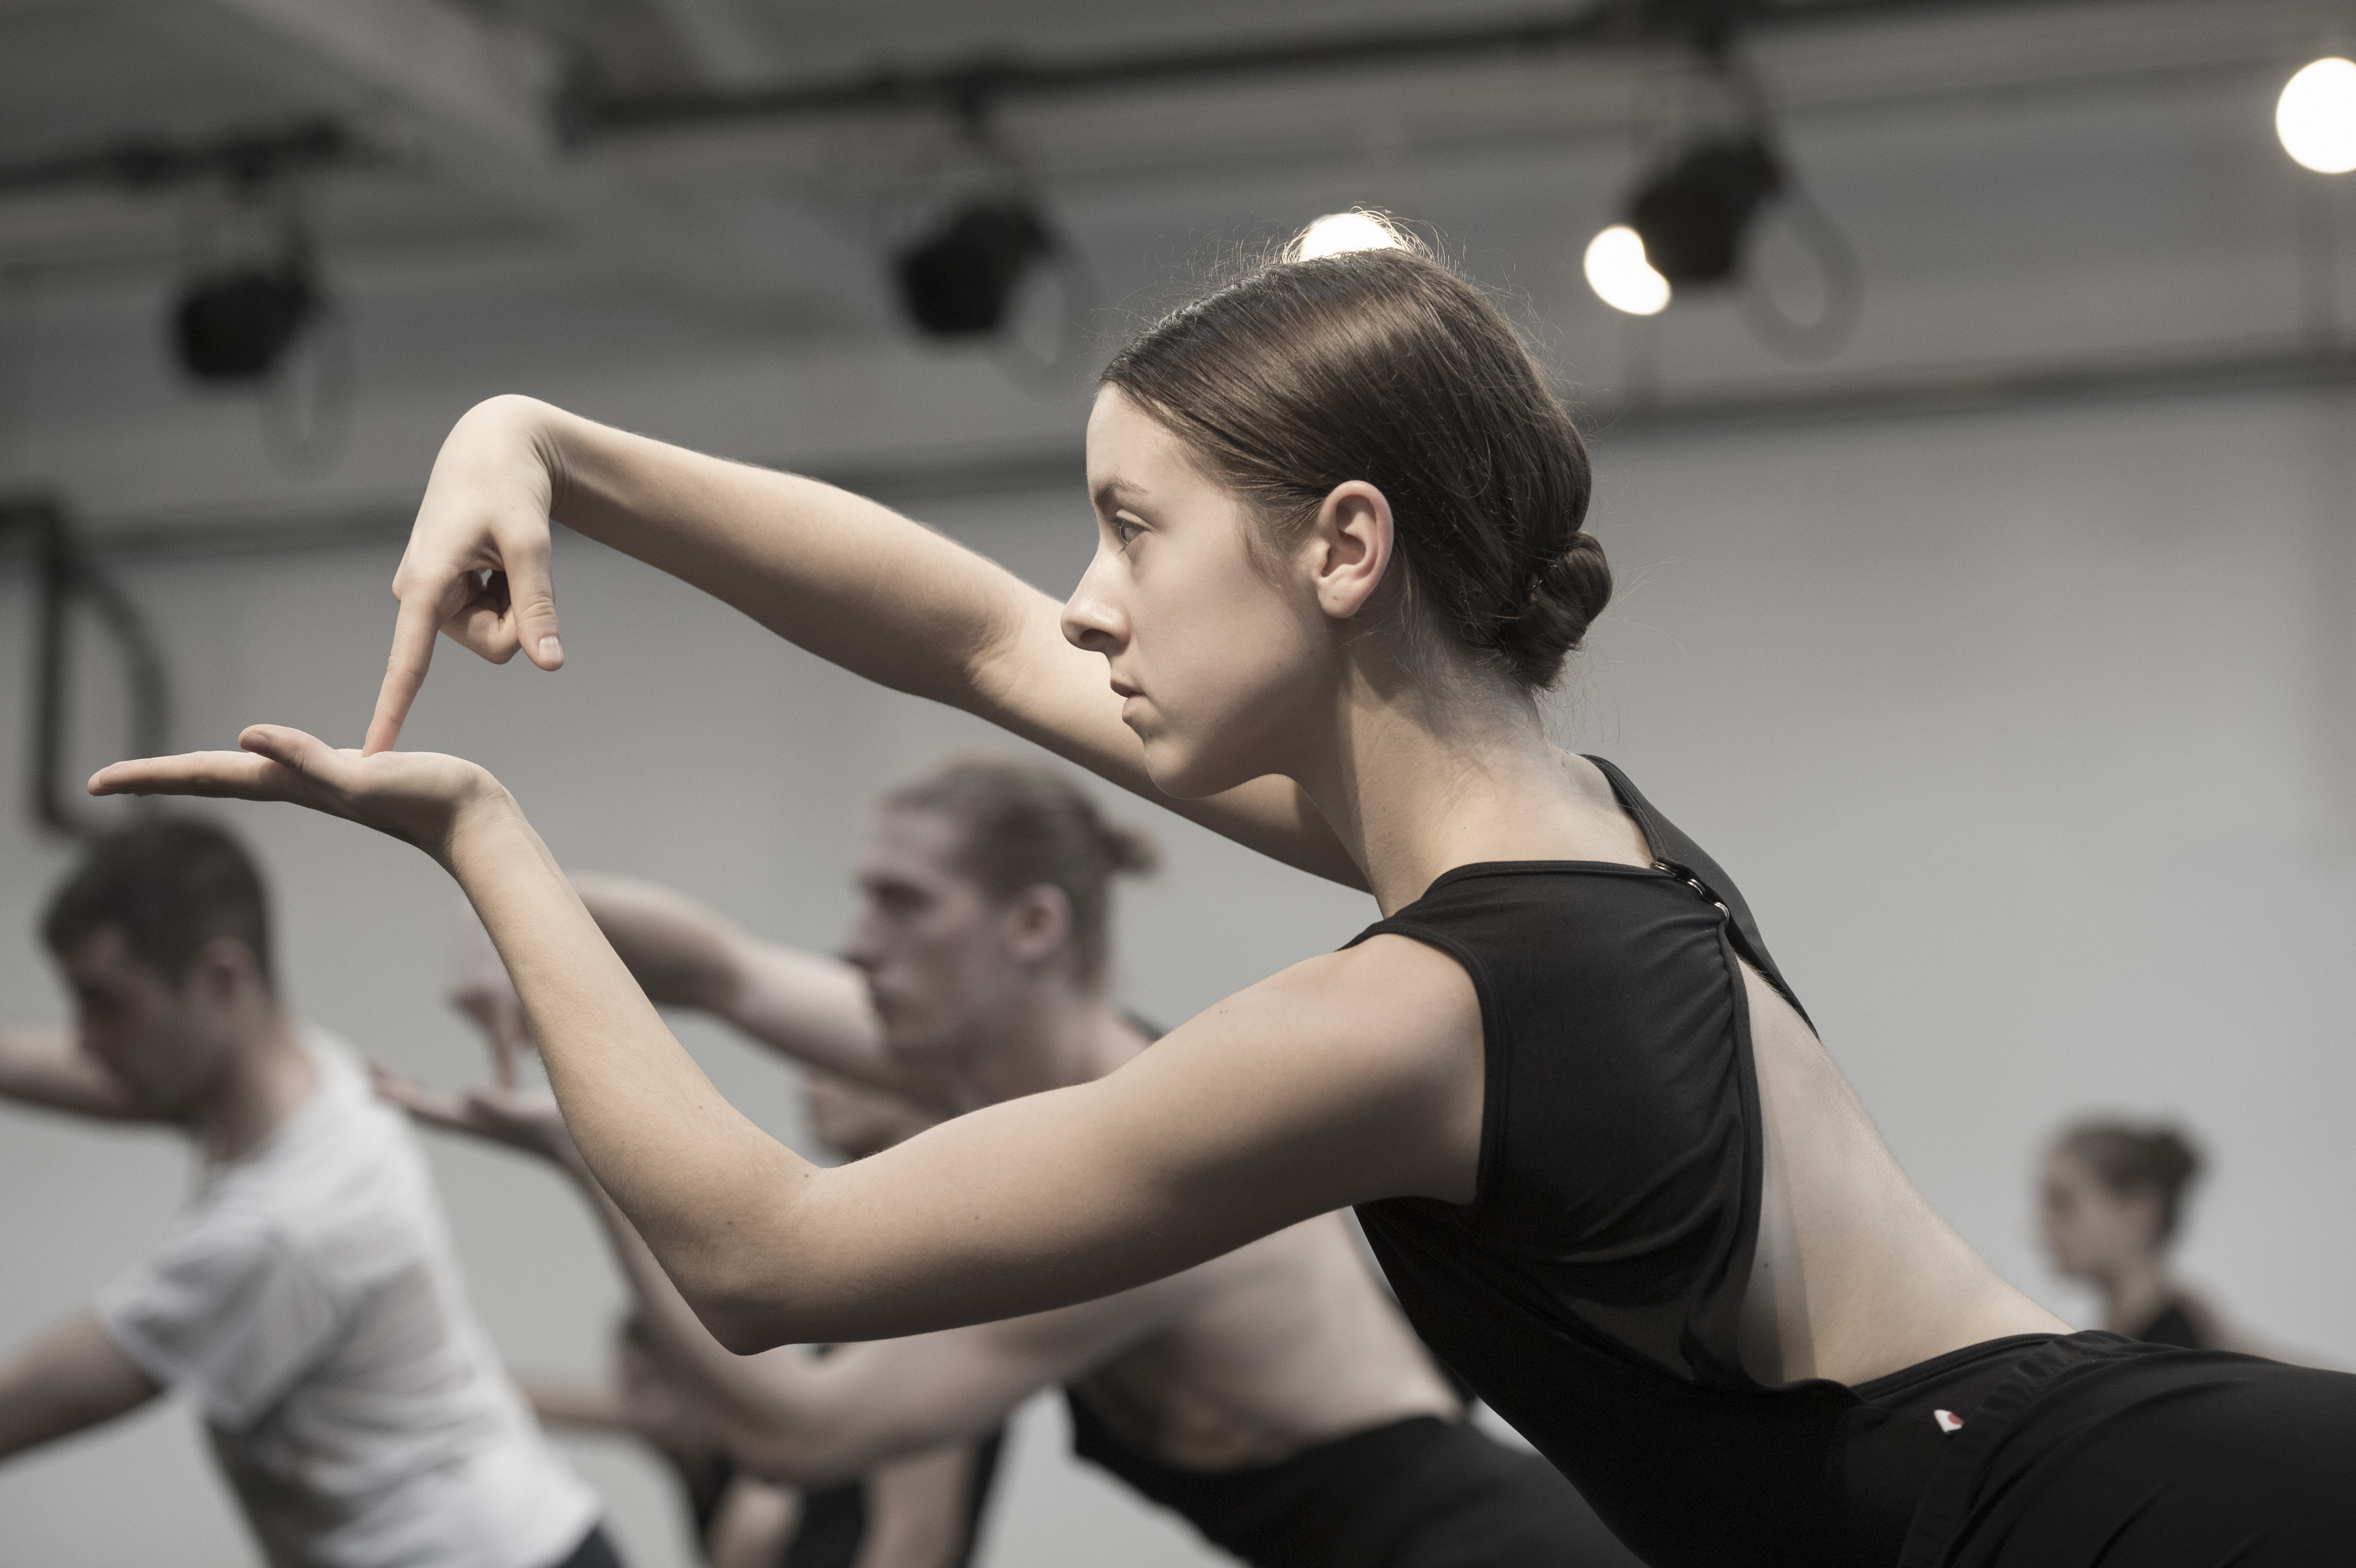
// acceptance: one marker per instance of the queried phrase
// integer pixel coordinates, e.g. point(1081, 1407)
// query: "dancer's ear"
point(1038, 923)
point(1347, 549)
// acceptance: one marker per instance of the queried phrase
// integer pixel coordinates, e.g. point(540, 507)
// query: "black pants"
point(2101, 1450)
point(595, 1552)
point(1417, 1493)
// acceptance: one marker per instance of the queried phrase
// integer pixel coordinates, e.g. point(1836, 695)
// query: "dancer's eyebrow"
point(1108, 495)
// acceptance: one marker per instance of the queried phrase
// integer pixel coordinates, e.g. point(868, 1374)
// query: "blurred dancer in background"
point(1274, 1397)
point(2115, 1196)
point(307, 1301)
point(923, 1511)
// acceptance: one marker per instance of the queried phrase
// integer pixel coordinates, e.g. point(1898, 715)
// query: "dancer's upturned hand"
point(477, 568)
point(525, 1119)
point(420, 797)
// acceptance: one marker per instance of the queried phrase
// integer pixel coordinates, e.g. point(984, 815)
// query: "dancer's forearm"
point(772, 1412)
point(791, 1419)
point(846, 578)
point(681, 953)
point(701, 1183)
point(863, 587)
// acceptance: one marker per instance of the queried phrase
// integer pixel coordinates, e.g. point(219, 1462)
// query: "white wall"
point(2031, 737)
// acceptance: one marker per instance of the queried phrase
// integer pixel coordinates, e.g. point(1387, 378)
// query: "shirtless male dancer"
point(1275, 1396)
point(306, 1301)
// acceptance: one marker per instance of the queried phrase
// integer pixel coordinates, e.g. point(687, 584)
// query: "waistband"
point(1344, 1502)
point(1945, 1509)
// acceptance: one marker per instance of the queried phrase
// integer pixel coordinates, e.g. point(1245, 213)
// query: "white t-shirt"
point(308, 1302)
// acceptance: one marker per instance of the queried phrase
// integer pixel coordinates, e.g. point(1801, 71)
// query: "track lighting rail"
point(958, 88)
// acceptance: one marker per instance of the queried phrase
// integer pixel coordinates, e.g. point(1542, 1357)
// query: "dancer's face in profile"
point(1218, 652)
point(2092, 1230)
point(943, 960)
point(165, 1043)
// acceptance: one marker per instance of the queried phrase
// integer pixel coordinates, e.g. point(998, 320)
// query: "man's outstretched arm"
point(682, 954)
point(74, 1377)
point(40, 1065)
point(801, 1005)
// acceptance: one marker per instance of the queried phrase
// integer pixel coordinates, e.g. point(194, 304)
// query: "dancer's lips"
point(1130, 697)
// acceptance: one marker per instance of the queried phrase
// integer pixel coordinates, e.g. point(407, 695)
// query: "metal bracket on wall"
point(64, 575)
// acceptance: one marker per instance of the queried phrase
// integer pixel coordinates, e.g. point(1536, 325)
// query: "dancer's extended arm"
point(40, 1065)
point(805, 1006)
point(683, 954)
point(74, 1377)
point(852, 580)
point(789, 1416)
point(1352, 1077)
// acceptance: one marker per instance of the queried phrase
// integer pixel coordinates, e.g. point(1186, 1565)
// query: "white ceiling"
point(2020, 179)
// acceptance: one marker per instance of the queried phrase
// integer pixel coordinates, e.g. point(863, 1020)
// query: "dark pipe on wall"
point(65, 576)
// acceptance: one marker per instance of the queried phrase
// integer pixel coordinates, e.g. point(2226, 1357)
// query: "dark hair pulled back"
point(1384, 365)
point(1025, 824)
point(2130, 1156)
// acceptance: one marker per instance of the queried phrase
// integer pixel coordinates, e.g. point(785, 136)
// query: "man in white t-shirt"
point(307, 1301)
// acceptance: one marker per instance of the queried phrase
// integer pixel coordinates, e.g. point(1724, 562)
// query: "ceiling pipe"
point(587, 114)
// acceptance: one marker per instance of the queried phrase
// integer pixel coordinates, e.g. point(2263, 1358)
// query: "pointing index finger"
point(404, 671)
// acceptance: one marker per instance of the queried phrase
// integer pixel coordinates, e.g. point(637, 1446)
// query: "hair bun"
point(1565, 596)
point(1129, 849)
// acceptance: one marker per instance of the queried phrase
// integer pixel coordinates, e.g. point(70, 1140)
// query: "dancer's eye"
point(1124, 530)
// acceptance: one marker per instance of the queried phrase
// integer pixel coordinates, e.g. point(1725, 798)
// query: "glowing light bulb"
point(2315, 116)
point(1621, 277)
point(1339, 231)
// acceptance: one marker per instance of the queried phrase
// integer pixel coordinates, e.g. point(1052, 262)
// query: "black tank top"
point(2175, 1325)
point(1591, 1291)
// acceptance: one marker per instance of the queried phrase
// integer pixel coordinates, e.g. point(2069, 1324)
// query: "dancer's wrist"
point(484, 823)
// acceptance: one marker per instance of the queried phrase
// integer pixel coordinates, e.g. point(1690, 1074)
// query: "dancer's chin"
point(1186, 772)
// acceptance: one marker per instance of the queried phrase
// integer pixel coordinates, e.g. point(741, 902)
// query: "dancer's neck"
point(1417, 784)
point(2135, 1291)
point(265, 1080)
point(1053, 1035)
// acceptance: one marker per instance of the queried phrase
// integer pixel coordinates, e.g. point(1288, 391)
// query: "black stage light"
point(959, 282)
point(235, 325)
point(1692, 215)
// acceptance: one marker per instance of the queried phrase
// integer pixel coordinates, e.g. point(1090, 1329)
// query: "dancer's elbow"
point(746, 1309)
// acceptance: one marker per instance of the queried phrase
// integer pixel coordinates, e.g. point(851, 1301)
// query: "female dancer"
point(1616, 1180)
point(2113, 1194)
point(1273, 1396)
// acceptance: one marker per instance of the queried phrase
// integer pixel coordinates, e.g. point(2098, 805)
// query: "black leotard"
point(1417, 1493)
point(1591, 1290)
